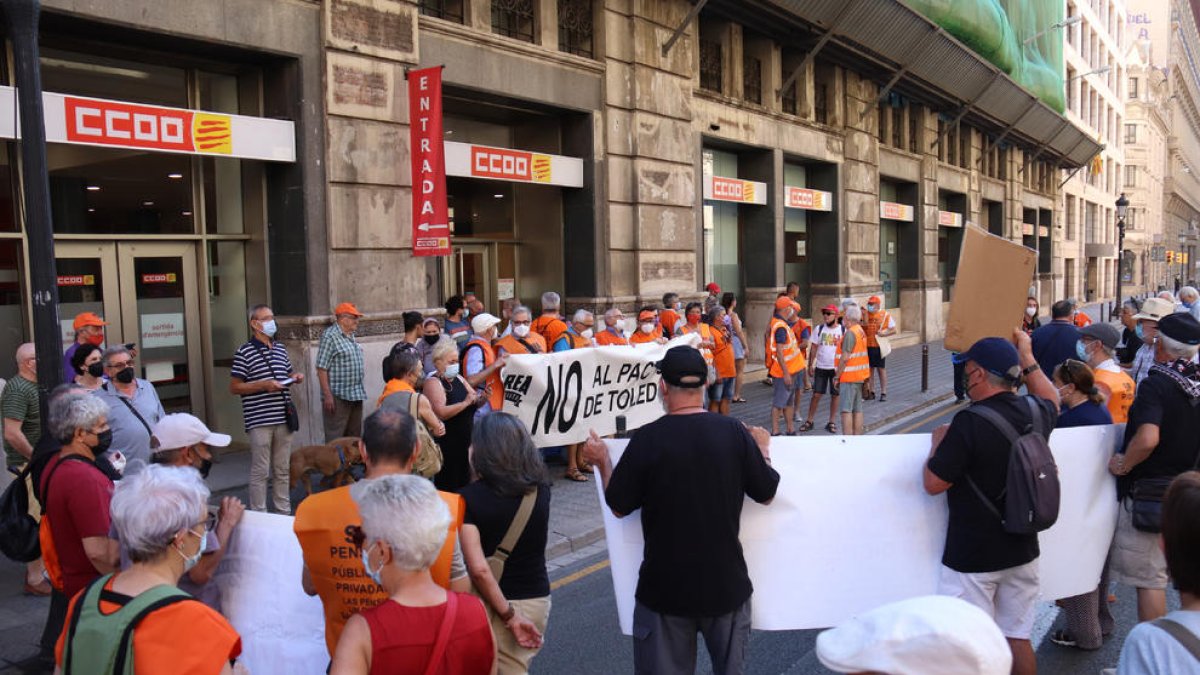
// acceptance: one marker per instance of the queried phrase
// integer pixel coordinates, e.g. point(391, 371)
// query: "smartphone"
point(621, 430)
point(288, 382)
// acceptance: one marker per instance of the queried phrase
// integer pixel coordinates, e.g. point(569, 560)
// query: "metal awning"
point(893, 44)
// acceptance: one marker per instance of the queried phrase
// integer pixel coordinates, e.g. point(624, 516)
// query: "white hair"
point(443, 348)
point(582, 315)
point(519, 309)
point(550, 300)
point(407, 513)
point(612, 314)
point(1166, 295)
point(114, 350)
point(854, 313)
point(1189, 292)
point(153, 505)
point(1176, 349)
point(76, 412)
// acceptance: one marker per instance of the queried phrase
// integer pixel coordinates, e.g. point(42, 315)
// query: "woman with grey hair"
point(161, 516)
point(453, 400)
point(421, 627)
point(513, 486)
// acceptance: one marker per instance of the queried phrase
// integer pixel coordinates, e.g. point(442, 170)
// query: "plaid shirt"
point(342, 357)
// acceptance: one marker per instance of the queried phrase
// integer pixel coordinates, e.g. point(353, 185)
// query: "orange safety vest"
point(793, 356)
point(607, 338)
point(705, 332)
point(668, 318)
point(640, 338)
point(876, 321)
point(335, 566)
point(799, 327)
point(511, 344)
point(858, 368)
point(549, 327)
point(575, 341)
point(496, 390)
point(723, 359)
point(1120, 393)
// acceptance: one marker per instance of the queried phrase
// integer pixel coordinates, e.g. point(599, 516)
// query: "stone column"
point(860, 270)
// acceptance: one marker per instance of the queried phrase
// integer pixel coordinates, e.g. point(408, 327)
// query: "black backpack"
point(18, 530)
point(1032, 491)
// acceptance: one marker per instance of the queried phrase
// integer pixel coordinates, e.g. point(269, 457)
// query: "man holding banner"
point(689, 472)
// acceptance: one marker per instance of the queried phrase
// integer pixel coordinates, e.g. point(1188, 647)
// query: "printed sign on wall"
point(810, 200)
point(162, 330)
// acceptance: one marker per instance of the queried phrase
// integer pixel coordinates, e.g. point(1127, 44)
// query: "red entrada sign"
point(431, 221)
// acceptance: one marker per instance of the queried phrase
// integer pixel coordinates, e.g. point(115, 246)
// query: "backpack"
point(18, 529)
point(1032, 491)
point(429, 459)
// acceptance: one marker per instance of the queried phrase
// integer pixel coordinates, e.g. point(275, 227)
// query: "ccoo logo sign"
point(130, 125)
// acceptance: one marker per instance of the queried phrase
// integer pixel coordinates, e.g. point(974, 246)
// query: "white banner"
point(851, 528)
point(282, 628)
point(561, 397)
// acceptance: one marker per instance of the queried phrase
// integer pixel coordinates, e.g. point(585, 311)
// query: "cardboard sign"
point(814, 553)
point(990, 289)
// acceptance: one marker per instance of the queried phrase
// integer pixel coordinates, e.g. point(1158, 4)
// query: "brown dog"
point(332, 460)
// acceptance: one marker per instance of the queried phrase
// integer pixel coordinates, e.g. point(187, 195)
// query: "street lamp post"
point(1122, 209)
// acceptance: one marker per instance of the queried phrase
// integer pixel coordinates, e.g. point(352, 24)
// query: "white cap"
point(481, 323)
point(180, 430)
point(930, 635)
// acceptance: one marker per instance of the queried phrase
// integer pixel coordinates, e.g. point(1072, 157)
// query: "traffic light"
point(1170, 256)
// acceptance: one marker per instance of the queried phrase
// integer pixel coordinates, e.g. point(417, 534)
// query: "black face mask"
point(96, 369)
point(432, 339)
point(205, 467)
point(103, 442)
point(125, 376)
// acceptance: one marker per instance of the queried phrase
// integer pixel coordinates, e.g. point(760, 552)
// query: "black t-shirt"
point(1130, 343)
point(976, 540)
point(1054, 343)
point(690, 474)
point(525, 573)
point(1161, 402)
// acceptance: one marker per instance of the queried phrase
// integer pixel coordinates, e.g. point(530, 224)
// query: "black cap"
point(683, 366)
point(1181, 327)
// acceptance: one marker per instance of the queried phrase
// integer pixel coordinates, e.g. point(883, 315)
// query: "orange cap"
point(874, 299)
point(647, 315)
point(88, 319)
point(346, 308)
point(783, 302)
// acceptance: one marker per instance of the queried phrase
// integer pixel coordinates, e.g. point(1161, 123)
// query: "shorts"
point(1136, 557)
point(782, 396)
point(1009, 596)
point(825, 381)
point(875, 358)
point(739, 350)
point(852, 399)
point(721, 390)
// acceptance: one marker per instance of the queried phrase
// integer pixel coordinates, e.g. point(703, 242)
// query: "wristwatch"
point(1028, 370)
point(508, 613)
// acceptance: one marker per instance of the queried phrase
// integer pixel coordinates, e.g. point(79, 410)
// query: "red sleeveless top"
point(402, 638)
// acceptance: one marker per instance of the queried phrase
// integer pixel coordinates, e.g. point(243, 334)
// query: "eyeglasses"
point(210, 521)
point(120, 366)
point(526, 322)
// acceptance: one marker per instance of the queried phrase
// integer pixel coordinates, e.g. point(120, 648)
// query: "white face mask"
point(647, 328)
point(587, 334)
point(521, 331)
point(269, 328)
point(1031, 311)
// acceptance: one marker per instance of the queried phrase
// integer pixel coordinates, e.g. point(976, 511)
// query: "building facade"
point(843, 146)
point(1145, 139)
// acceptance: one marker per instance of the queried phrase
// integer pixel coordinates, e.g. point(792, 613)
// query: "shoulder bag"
point(291, 416)
point(497, 559)
point(429, 459)
point(132, 409)
point(1181, 634)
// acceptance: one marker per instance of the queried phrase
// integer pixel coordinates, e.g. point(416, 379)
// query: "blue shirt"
point(1053, 344)
point(130, 434)
point(1085, 414)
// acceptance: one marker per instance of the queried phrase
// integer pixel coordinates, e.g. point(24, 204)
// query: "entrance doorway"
point(471, 270)
point(147, 293)
point(889, 261)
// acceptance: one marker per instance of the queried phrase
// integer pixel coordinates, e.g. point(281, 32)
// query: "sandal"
point(807, 426)
point(882, 397)
point(739, 400)
point(1063, 638)
point(575, 475)
point(831, 428)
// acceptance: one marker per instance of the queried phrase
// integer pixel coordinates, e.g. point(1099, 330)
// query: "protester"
point(521, 339)
point(89, 330)
point(720, 393)
point(822, 368)
point(694, 323)
point(734, 323)
point(876, 324)
point(983, 563)
point(1055, 342)
point(1128, 346)
point(1153, 310)
point(453, 400)
point(928, 635)
point(1097, 346)
point(340, 372)
point(648, 329)
point(431, 332)
point(133, 405)
point(261, 375)
point(75, 497)
point(334, 571)
point(577, 336)
point(784, 361)
point(714, 296)
point(412, 335)
point(1078, 316)
point(404, 525)
point(401, 386)
point(550, 324)
point(482, 367)
point(613, 333)
point(1149, 648)
point(22, 430)
point(1082, 404)
point(1168, 295)
point(473, 304)
point(1160, 443)
point(689, 472)
point(161, 517)
point(803, 336)
point(1189, 300)
point(853, 369)
point(1030, 322)
point(510, 471)
point(184, 441)
point(669, 317)
point(457, 325)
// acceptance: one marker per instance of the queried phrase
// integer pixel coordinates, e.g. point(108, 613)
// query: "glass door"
point(471, 271)
point(147, 293)
point(889, 261)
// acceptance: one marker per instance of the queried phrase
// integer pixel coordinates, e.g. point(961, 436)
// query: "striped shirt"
point(255, 362)
point(342, 357)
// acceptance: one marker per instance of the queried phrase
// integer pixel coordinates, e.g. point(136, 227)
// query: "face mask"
point(586, 334)
point(375, 575)
point(872, 308)
point(466, 313)
point(125, 376)
point(1138, 331)
point(205, 467)
point(269, 328)
point(190, 561)
point(432, 339)
point(1081, 351)
point(103, 442)
point(647, 328)
point(521, 331)
point(97, 339)
point(96, 369)
point(1062, 394)
point(116, 460)
point(451, 371)
point(678, 306)
point(1030, 311)
point(693, 319)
